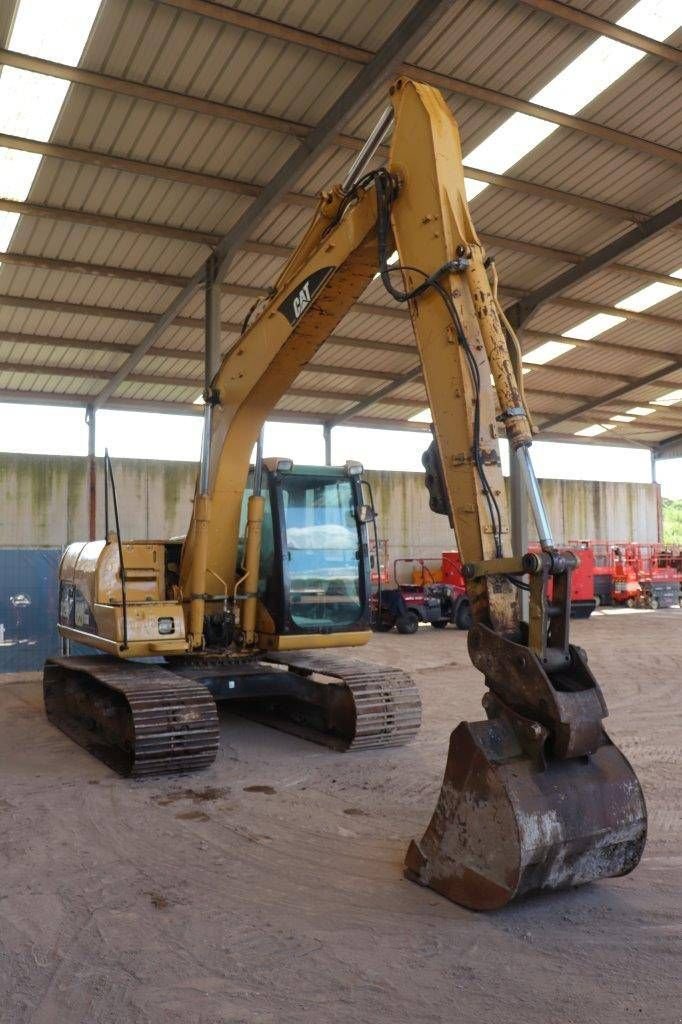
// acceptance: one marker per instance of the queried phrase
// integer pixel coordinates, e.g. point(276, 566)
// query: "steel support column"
point(211, 364)
point(212, 325)
point(659, 503)
point(519, 522)
point(327, 432)
point(90, 419)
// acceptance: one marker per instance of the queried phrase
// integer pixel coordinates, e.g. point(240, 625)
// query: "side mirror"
point(365, 514)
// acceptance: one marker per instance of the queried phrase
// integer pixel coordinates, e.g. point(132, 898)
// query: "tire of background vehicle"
point(440, 624)
point(463, 619)
point(408, 623)
point(384, 625)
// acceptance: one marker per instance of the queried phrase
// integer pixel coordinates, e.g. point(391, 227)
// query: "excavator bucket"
point(506, 827)
point(525, 808)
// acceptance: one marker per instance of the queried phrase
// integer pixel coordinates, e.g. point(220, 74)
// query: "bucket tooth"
point(505, 826)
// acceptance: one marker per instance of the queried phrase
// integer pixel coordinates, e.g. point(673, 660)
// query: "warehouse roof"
point(180, 114)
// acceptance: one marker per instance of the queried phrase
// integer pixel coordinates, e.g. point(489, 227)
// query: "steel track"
point(138, 718)
point(386, 701)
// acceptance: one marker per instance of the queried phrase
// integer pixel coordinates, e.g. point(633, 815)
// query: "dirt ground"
point(269, 888)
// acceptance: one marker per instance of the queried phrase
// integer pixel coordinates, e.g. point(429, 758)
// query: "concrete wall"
point(44, 499)
point(577, 509)
point(43, 502)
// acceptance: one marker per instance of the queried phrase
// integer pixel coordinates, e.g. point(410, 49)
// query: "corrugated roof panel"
point(216, 61)
point(44, 382)
point(44, 355)
point(366, 359)
point(7, 12)
point(517, 51)
point(320, 406)
point(600, 170)
point(355, 21)
point(513, 49)
point(556, 319)
point(62, 240)
point(634, 104)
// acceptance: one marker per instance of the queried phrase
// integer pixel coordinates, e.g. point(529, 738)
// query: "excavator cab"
point(314, 554)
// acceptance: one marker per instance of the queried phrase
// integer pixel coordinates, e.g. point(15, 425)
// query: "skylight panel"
point(509, 143)
point(30, 103)
point(650, 295)
point(17, 171)
point(636, 302)
point(594, 70)
point(654, 18)
point(671, 398)
point(546, 352)
point(8, 222)
point(594, 325)
point(592, 431)
point(55, 31)
point(472, 187)
point(421, 417)
point(640, 410)
point(623, 419)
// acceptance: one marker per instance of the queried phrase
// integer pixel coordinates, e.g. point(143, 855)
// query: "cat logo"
point(299, 300)
point(302, 299)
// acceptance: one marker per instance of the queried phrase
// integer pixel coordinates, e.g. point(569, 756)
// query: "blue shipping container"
point(28, 607)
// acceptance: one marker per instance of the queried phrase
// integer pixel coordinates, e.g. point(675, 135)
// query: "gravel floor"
point(269, 888)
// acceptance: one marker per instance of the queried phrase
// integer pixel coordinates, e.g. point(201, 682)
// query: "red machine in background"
point(661, 582)
point(433, 591)
point(639, 575)
point(671, 558)
point(433, 585)
point(427, 571)
point(389, 608)
point(583, 600)
point(424, 590)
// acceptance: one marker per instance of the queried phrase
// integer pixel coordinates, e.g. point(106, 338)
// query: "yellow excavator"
point(274, 566)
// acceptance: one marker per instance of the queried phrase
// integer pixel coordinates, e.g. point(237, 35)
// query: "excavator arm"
point(324, 277)
point(419, 199)
point(537, 797)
